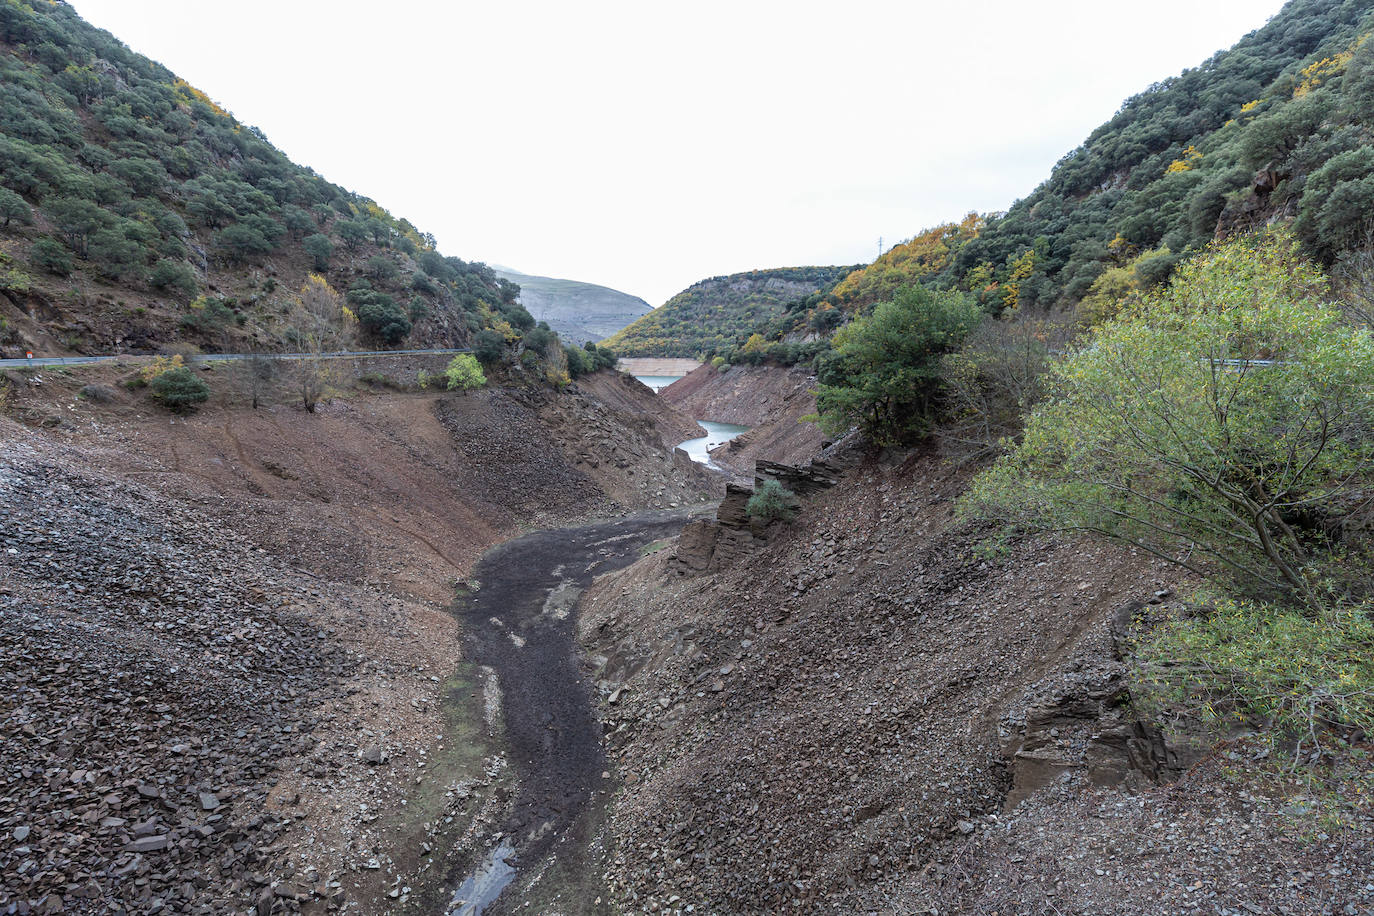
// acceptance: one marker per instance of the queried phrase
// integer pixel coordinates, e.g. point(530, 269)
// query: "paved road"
point(40, 361)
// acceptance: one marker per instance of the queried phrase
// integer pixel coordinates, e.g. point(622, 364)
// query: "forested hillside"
point(1279, 126)
point(578, 312)
point(136, 213)
point(719, 312)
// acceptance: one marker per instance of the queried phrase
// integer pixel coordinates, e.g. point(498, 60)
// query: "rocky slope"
point(228, 678)
point(578, 311)
point(770, 400)
point(843, 716)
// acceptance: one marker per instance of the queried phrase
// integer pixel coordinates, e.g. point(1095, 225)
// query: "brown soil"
point(827, 725)
point(354, 523)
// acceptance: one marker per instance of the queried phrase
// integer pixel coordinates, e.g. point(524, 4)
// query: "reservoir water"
point(716, 434)
point(658, 382)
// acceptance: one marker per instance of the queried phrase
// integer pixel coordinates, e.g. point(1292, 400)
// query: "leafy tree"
point(464, 373)
point(143, 176)
point(319, 248)
point(240, 242)
point(489, 347)
point(170, 274)
point(353, 232)
point(180, 389)
point(52, 256)
point(297, 220)
point(1226, 425)
point(381, 268)
point(579, 363)
point(884, 375)
point(115, 255)
point(421, 282)
point(77, 219)
point(541, 339)
point(379, 315)
point(378, 229)
point(419, 309)
point(13, 207)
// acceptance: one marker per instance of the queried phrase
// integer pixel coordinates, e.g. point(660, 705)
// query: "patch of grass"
point(655, 547)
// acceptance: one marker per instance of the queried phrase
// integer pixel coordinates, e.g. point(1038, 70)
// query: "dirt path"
point(520, 623)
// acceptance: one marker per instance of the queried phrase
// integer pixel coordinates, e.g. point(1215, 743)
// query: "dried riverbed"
point(520, 635)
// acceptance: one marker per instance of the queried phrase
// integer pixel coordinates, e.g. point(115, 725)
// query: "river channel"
point(520, 623)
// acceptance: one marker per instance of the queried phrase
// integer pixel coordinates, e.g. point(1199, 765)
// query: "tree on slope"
point(1225, 424)
point(884, 375)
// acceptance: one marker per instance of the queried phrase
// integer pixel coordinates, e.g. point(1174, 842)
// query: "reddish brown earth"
point(845, 718)
point(254, 606)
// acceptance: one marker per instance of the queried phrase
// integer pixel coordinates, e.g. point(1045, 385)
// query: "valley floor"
point(231, 679)
point(268, 661)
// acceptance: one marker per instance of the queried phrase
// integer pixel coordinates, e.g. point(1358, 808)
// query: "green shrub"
point(207, 316)
point(380, 316)
point(51, 256)
point(320, 249)
point(489, 347)
point(1304, 675)
point(885, 373)
point(1226, 425)
point(772, 501)
point(579, 361)
point(180, 389)
point(464, 373)
point(169, 274)
point(13, 209)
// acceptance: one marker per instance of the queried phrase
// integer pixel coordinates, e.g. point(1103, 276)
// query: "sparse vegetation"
point(180, 389)
point(464, 373)
point(772, 502)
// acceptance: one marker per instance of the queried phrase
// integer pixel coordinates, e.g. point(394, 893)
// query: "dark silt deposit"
point(520, 623)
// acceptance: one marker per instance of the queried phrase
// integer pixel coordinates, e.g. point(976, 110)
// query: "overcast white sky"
point(644, 145)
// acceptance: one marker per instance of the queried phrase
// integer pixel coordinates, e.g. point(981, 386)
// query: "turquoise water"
point(658, 382)
point(716, 434)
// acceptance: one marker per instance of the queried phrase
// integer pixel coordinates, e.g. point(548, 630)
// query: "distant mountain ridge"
point(716, 313)
point(578, 311)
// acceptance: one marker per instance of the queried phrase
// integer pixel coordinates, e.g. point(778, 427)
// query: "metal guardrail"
point(36, 362)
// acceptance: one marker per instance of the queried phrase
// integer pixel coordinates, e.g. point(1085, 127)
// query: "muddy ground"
point(519, 623)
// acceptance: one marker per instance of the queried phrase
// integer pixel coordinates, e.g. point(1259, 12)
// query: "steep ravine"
point(229, 636)
point(868, 712)
point(770, 400)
